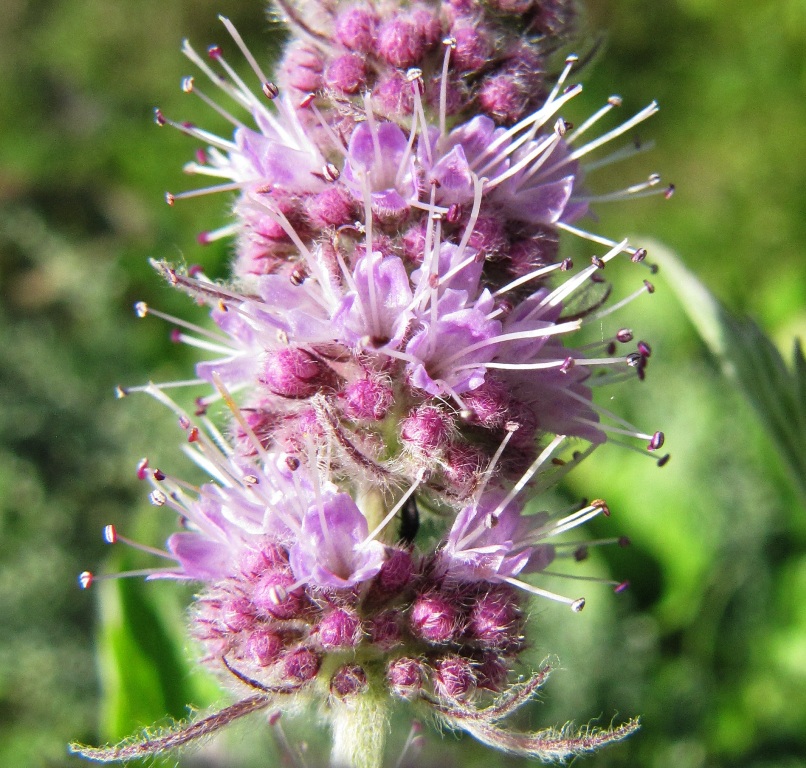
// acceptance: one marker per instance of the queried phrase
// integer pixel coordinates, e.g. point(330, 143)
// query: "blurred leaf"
point(145, 669)
point(752, 361)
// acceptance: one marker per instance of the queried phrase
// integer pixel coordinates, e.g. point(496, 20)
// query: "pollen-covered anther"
point(141, 309)
point(657, 441)
point(331, 172)
point(142, 469)
point(602, 505)
point(639, 255)
point(157, 498)
point(85, 579)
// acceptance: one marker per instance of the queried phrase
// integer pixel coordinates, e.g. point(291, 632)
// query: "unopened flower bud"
point(348, 681)
point(454, 677)
point(405, 676)
point(341, 628)
point(434, 618)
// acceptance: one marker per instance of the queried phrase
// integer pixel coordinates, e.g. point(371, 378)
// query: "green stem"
point(360, 725)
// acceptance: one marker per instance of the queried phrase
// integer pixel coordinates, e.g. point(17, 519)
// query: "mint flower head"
point(400, 340)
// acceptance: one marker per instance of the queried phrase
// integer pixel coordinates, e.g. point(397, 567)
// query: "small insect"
point(409, 521)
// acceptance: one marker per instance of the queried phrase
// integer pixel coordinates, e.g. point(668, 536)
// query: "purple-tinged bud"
point(294, 373)
point(473, 47)
point(368, 399)
point(254, 562)
point(427, 23)
point(462, 467)
point(237, 614)
point(348, 681)
point(426, 429)
point(341, 628)
point(332, 207)
point(384, 629)
point(346, 73)
point(414, 242)
point(492, 672)
point(489, 402)
point(401, 42)
point(517, 7)
point(489, 236)
point(454, 678)
point(434, 618)
point(263, 647)
point(272, 597)
point(396, 572)
point(302, 67)
point(356, 29)
point(502, 98)
point(405, 676)
point(493, 620)
point(393, 95)
point(301, 665)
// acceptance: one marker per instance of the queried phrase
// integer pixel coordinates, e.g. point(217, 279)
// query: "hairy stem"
point(360, 725)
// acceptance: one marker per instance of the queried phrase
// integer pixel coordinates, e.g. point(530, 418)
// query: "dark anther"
point(657, 441)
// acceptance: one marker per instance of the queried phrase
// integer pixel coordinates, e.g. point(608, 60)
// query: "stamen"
point(576, 604)
point(613, 101)
point(111, 536)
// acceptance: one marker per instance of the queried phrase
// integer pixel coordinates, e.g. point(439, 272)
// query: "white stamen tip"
point(110, 534)
point(578, 605)
point(141, 309)
point(85, 579)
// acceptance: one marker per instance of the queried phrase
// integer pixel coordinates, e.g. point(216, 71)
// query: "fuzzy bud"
point(401, 42)
point(434, 618)
point(493, 620)
point(454, 678)
point(356, 29)
point(340, 628)
point(348, 681)
point(426, 429)
point(405, 676)
point(368, 399)
point(301, 665)
point(347, 73)
point(384, 630)
point(292, 372)
point(396, 572)
point(272, 598)
point(263, 647)
point(332, 207)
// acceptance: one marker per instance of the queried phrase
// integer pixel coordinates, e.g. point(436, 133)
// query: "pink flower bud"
point(292, 372)
point(405, 676)
point(348, 681)
point(368, 399)
point(396, 572)
point(356, 29)
point(494, 619)
point(301, 665)
point(347, 73)
point(272, 598)
point(401, 42)
point(426, 429)
point(454, 678)
point(341, 628)
point(434, 618)
point(263, 647)
point(332, 207)
point(384, 630)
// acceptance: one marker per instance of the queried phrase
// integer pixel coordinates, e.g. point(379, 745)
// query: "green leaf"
point(751, 361)
point(146, 671)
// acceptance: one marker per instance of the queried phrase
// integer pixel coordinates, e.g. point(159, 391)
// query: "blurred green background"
point(710, 644)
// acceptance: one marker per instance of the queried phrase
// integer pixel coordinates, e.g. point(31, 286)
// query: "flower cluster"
point(397, 341)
